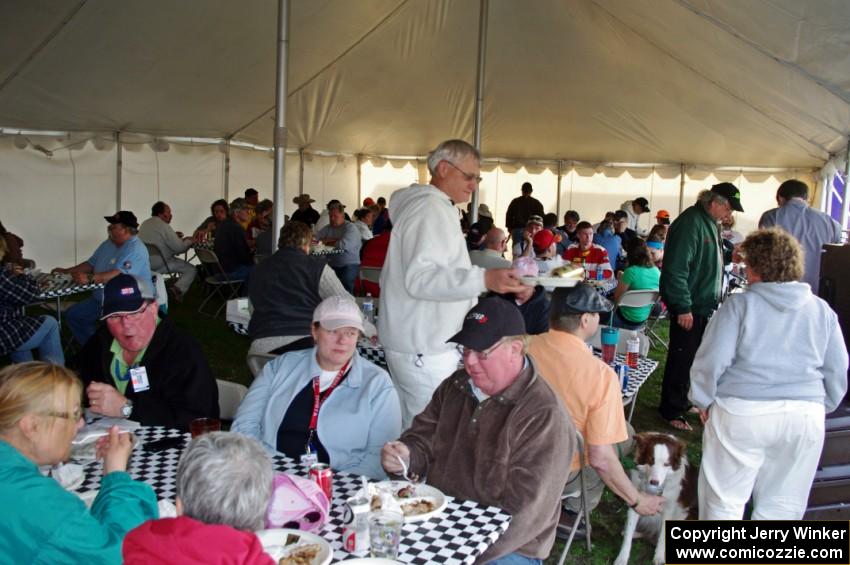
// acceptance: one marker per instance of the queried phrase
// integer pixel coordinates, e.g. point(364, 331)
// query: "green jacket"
point(693, 264)
point(41, 522)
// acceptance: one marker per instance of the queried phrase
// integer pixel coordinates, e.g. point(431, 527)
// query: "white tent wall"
point(187, 178)
point(56, 204)
point(326, 178)
point(380, 177)
point(250, 168)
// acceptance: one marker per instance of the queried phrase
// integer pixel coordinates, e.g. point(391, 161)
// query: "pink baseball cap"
point(336, 312)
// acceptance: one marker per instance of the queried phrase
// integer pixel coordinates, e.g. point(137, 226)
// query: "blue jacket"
point(357, 419)
point(41, 522)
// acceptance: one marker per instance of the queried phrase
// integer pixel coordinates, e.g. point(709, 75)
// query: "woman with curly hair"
point(771, 364)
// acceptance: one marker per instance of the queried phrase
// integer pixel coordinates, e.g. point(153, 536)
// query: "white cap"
point(337, 312)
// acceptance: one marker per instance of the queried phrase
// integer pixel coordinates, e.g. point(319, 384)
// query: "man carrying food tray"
point(494, 432)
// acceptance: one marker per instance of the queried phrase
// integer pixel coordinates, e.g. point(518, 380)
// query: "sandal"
point(680, 423)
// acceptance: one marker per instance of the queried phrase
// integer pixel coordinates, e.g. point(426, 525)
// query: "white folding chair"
point(583, 512)
point(256, 361)
point(154, 252)
point(230, 396)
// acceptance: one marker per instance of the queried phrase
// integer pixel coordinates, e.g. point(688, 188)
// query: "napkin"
point(69, 475)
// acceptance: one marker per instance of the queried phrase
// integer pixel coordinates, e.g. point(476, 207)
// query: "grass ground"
point(226, 353)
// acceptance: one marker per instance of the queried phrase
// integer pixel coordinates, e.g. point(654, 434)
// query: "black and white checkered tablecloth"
point(208, 245)
point(56, 287)
point(324, 252)
point(463, 531)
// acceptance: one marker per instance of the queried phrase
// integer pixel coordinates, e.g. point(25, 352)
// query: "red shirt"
point(374, 255)
point(596, 255)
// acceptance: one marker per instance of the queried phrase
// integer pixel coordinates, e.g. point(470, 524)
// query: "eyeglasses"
point(307, 520)
point(74, 415)
point(482, 355)
point(134, 317)
point(467, 176)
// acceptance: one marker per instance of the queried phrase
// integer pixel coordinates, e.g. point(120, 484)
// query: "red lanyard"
point(319, 399)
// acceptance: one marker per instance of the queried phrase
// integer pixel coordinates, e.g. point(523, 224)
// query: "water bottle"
point(369, 308)
point(633, 351)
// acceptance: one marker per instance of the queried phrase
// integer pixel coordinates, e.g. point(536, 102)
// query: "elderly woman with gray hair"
point(224, 483)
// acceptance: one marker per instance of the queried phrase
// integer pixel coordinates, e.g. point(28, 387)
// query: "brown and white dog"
point(661, 468)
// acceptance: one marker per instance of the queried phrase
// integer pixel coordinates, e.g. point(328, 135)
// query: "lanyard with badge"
point(310, 453)
point(138, 376)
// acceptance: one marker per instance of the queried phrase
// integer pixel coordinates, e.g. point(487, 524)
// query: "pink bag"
point(296, 503)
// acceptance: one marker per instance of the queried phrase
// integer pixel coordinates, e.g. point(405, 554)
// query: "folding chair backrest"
point(256, 361)
point(230, 396)
point(210, 260)
point(638, 298)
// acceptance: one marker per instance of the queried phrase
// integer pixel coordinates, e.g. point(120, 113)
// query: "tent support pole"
point(824, 193)
point(845, 201)
point(479, 95)
point(359, 179)
point(681, 187)
point(119, 163)
point(301, 171)
point(558, 195)
point(281, 90)
point(227, 169)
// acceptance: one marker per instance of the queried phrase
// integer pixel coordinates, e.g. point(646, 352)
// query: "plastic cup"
point(609, 337)
point(200, 426)
point(385, 533)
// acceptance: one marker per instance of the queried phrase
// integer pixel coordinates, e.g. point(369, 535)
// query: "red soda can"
point(322, 474)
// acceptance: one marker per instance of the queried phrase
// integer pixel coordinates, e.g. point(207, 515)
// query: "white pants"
point(768, 448)
point(186, 270)
point(417, 377)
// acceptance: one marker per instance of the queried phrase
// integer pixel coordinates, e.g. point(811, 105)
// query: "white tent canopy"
point(756, 82)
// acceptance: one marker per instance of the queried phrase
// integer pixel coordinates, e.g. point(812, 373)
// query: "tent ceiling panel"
point(759, 83)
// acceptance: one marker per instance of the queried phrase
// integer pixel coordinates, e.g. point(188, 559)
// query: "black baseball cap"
point(489, 321)
point(125, 294)
point(731, 193)
point(643, 202)
point(580, 299)
point(123, 217)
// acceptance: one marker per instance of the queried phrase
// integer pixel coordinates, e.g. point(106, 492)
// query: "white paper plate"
point(422, 491)
point(550, 281)
point(273, 541)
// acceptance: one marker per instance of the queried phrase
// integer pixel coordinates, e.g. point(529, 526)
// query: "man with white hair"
point(428, 282)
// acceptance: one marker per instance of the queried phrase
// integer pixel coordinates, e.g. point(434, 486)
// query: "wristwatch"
point(127, 409)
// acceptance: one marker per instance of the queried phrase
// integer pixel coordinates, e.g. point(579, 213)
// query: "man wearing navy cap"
point(494, 432)
point(122, 252)
point(140, 366)
point(690, 286)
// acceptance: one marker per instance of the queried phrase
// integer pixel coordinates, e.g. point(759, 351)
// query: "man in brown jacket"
point(494, 432)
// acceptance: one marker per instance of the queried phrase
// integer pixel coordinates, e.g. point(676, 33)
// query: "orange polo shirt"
point(588, 387)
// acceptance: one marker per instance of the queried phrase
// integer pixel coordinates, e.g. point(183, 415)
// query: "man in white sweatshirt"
point(428, 283)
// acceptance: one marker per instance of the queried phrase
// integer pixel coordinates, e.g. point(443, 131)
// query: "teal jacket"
point(693, 264)
point(41, 522)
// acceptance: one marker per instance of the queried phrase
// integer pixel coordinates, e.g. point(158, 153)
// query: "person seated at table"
point(231, 243)
point(261, 221)
point(14, 244)
point(545, 244)
point(655, 242)
point(284, 291)
point(374, 255)
point(40, 414)
point(641, 274)
point(342, 235)
point(363, 219)
point(612, 242)
point(224, 483)
point(122, 252)
point(20, 334)
point(771, 364)
point(525, 246)
point(140, 366)
point(494, 432)
point(219, 211)
point(157, 231)
point(305, 212)
point(587, 254)
point(590, 391)
point(326, 403)
point(492, 254)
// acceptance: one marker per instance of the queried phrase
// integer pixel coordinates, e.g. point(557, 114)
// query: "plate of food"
point(568, 275)
point(418, 501)
point(294, 547)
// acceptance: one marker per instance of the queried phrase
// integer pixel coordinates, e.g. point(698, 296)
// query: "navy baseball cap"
point(125, 294)
point(489, 321)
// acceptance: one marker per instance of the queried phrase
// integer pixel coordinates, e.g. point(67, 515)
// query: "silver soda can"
point(355, 526)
